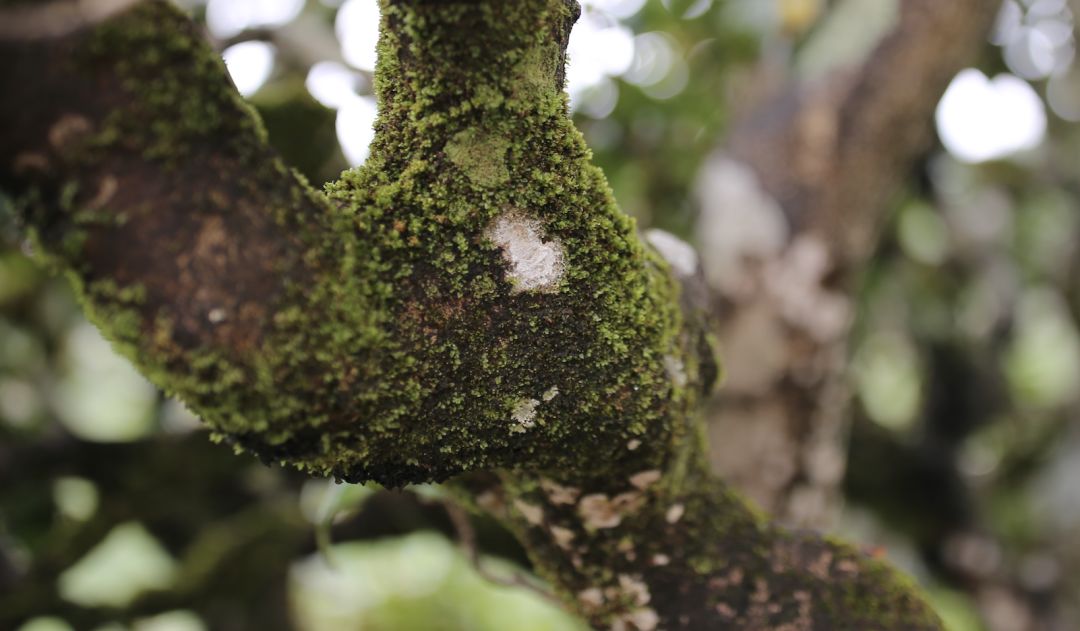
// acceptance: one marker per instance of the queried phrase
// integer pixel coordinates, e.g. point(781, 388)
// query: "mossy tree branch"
point(470, 300)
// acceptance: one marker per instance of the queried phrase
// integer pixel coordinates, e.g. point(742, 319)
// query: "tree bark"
point(470, 301)
point(822, 163)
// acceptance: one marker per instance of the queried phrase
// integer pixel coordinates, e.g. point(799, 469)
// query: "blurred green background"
point(116, 512)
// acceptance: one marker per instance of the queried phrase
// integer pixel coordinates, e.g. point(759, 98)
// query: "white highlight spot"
point(551, 393)
point(355, 128)
point(226, 18)
point(674, 513)
point(332, 84)
point(249, 64)
point(535, 265)
point(981, 119)
point(599, 48)
point(357, 27)
point(620, 9)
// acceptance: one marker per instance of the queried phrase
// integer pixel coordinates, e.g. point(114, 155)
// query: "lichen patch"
point(598, 511)
point(563, 537)
point(536, 265)
point(69, 129)
point(676, 370)
point(532, 514)
point(591, 599)
point(523, 415)
point(635, 588)
point(645, 479)
point(559, 494)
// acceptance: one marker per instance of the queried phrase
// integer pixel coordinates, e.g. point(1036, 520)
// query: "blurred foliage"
point(117, 513)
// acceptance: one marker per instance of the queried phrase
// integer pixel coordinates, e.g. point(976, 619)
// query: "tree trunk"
point(807, 183)
point(470, 300)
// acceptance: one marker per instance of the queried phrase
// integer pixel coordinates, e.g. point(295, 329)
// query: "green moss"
point(183, 91)
point(480, 155)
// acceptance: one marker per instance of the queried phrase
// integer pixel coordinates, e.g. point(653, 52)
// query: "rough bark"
point(825, 160)
point(470, 300)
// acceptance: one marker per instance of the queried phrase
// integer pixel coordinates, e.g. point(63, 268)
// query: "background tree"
point(582, 529)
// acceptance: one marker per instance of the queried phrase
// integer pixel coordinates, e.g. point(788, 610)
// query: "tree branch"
point(469, 300)
point(825, 160)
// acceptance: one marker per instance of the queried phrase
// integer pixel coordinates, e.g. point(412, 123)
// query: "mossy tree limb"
point(470, 300)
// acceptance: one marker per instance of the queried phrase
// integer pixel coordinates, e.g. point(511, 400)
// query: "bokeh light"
point(982, 119)
point(250, 65)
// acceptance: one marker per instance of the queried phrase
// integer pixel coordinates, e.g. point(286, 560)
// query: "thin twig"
point(466, 535)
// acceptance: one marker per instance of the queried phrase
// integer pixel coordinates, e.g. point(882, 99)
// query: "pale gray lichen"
point(523, 415)
point(535, 264)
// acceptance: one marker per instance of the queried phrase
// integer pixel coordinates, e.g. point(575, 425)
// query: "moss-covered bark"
point(471, 299)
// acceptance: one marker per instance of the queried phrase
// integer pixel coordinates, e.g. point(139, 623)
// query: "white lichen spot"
point(679, 254)
point(598, 511)
point(551, 393)
point(523, 415)
point(633, 444)
point(660, 559)
point(106, 189)
point(532, 514)
point(563, 537)
point(645, 479)
point(675, 513)
point(676, 370)
point(216, 315)
point(645, 619)
point(635, 588)
point(559, 494)
point(67, 129)
point(591, 598)
point(535, 264)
